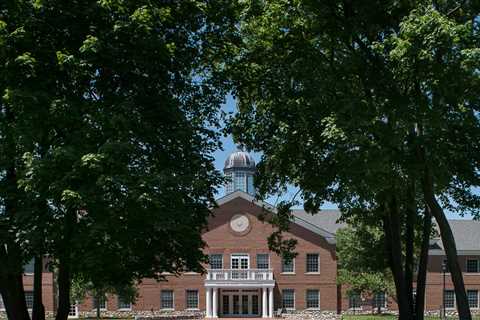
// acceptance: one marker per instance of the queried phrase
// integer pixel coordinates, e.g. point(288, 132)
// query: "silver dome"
point(239, 159)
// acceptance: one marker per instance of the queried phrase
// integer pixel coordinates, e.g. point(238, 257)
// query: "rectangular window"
point(166, 299)
point(313, 299)
point(229, 186)
point(379, 300)
point(216, 261)
point(354, 301)
point(73, 312)
point(288, 267)
point(472, 296)
point(124, 303)
point(29, 299)
point(312, 263)
point(240, 183)
point(288, 298)
point(192, 299)
point(101, 302)
point(472, 265)
point(29, 267)
point(449, 299)
point(263, 261)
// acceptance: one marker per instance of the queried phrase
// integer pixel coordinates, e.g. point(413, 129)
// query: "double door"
point(240, 263)
point(240, 302)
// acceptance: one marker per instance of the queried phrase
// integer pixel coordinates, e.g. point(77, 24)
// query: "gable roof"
point(466, 234)
point(314, 225)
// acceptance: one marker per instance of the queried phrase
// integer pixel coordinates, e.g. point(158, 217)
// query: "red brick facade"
point(221, 239)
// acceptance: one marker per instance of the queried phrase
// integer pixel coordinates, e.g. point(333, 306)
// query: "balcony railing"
point(239, 274)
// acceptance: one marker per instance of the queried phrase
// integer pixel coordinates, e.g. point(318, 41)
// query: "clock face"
point(239, 223)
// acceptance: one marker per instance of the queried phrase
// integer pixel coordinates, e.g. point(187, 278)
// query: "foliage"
point(368, 105)
point(109, 115)
point(81, 289)
point(362, 264)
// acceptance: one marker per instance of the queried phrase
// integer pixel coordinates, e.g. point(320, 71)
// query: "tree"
point(363, 96)
point(362, 261)
point(109, 114)
point(81, 288)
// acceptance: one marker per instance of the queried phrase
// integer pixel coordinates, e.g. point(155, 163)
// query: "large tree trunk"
point(411, 212)
point(64, 282)
point(394, 248)
point(14, 297)
point(11, 272)
point(64, 267)
point(449, 245)
point(38, 311)
point(422, 267)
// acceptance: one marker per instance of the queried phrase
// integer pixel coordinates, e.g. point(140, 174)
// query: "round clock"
point(240, 223)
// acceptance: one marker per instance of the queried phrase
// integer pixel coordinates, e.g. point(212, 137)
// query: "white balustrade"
point(239, 274)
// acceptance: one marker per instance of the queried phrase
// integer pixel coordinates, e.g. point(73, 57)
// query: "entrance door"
point(243, 303)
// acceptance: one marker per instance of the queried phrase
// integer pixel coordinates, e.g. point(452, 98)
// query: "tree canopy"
point(109, 115)
point(371, 106)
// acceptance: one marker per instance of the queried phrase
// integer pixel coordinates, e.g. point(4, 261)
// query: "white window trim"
point(269, 262)
point(198, 300)
point(385, 306)
point(454, 300)
point(76, 313)
point(478, 266)
point(294, 300)
point(288, 272)
point(306, 300)
point(318, 261)
point(173, 300)
point(223, 262)
point(478, 298)
point(242, 255)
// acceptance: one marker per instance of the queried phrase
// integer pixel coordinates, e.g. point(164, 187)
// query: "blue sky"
point(229, 147)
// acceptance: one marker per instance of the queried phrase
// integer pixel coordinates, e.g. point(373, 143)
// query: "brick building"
point(245, 279)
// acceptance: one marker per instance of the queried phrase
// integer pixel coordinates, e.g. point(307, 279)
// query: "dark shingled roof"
point(466, 234)
point(325, 219)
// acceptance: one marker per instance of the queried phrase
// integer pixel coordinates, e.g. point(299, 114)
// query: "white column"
point(215, 303)
point(264, 303)
point(270, 302)
point(208, 302)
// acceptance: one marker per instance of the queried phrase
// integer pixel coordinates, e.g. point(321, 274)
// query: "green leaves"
point(90, 45)
point(143, 18)
point(26, 63)
point(109, 115)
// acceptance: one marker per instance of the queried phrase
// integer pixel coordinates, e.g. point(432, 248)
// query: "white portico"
point(239, 291)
